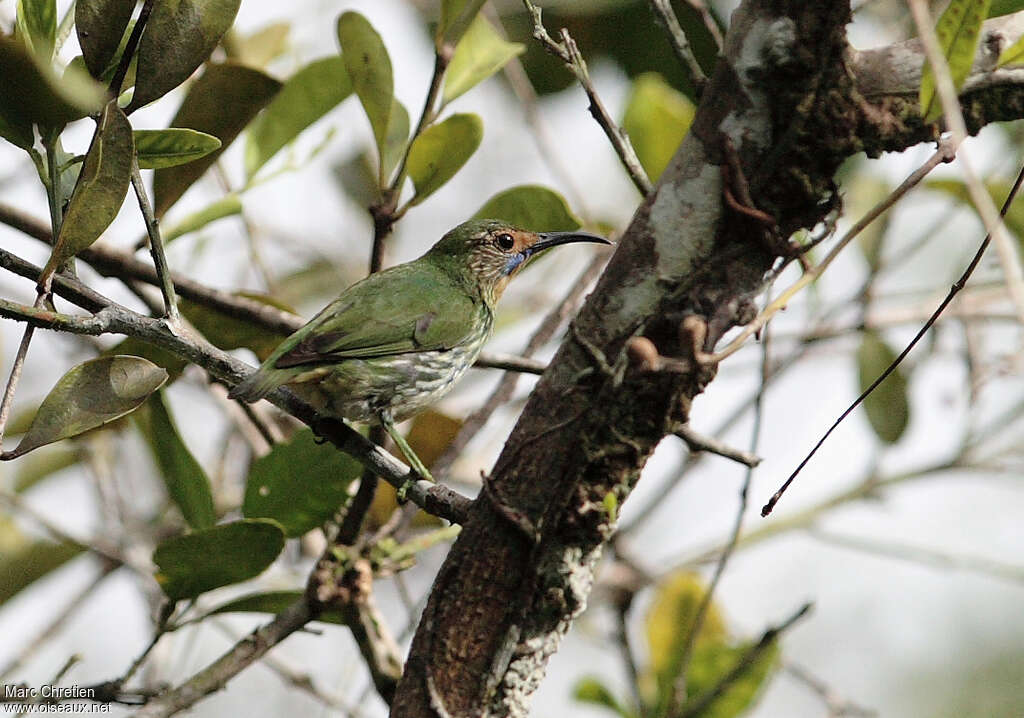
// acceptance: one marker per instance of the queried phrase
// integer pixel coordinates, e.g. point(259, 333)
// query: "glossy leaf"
point(456, 16)
point(227, 206)
point(397, 139)
point(260, 47)
point(958, 30)
point(480, 53)
point(304, 98)
point(300, 484)
point(101, 187)
point(24, 561)
point(186, 482)
point(178, 38)
point(219, 556)
point(531, 207)
point(220, 103)
point(440, 151)
point(172, 147)
point(272, 602)
point(369, 68)
point(657, 119)
point(101, 25)
point(30, 92)
point(90, 395)
point(888, 406)
point(228, 332)
point(37, 24)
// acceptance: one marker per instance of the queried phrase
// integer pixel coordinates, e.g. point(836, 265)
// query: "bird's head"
point(490, 252)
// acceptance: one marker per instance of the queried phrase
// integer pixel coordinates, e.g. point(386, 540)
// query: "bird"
point(395, 342)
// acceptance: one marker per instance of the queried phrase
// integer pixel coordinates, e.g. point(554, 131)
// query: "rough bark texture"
point(786, 97)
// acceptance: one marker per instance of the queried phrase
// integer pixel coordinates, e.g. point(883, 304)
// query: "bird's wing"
point(405, 309)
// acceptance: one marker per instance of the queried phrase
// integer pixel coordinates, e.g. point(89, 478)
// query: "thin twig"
point(836, 704)
point(698, 442)
point(568, 53)
point(129, 49)
point(679, 691)
point(666, 17)
point(953, 291)
point(980, 197)
point(156, 245)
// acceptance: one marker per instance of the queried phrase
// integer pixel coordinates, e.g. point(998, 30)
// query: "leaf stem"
point(156, 246)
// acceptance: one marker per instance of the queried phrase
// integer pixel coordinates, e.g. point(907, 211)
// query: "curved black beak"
point(553, 239)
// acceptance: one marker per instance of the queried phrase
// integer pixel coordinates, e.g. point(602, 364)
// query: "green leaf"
point(1005, 7)
point(998, 190)
point(178, 38)
point(184, 478)
point(306, 96)
point(227, 206)
point(30, 92)
point(171, 147)
point(657, 119)
point(24, 561)
point(20, 135)
point(531, 207)
point(42, 464)
point(101, 187)
point(101, 25)
point(440, 151)
point(300, 484)
point(480, 53)
point(456, 16)
point(228, 332)
point(397, 139)
point(593, 691)
point(887, 407)
point(37, 24)
point(90, 395)
point(220, 103)
point(369, 67)
point(272, 602)
point(958, 30)
point(219, 556)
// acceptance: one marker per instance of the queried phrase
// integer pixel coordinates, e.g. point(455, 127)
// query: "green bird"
point(395, 342)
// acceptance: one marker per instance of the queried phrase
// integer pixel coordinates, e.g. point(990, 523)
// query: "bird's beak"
point(553, 239)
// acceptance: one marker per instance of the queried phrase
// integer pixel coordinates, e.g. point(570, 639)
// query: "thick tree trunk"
point(786, 97)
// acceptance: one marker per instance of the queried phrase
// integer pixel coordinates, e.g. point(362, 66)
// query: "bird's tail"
point(256, 386)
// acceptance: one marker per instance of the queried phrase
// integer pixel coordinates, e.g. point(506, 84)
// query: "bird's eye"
point(505, 241)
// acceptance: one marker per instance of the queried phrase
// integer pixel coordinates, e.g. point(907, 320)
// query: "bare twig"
point(953, 291)
point(156, 245)
point(698, 442)
point(568, 53)
point(838, 707)
point(129, 49)
point(666, 17)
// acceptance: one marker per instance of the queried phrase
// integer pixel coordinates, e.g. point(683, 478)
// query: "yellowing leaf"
point(480, 53)
point(440, 151)
point(456, 16)
point(90, 395)
point(657, 119)
point(958, 30)
point(1013, 55)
